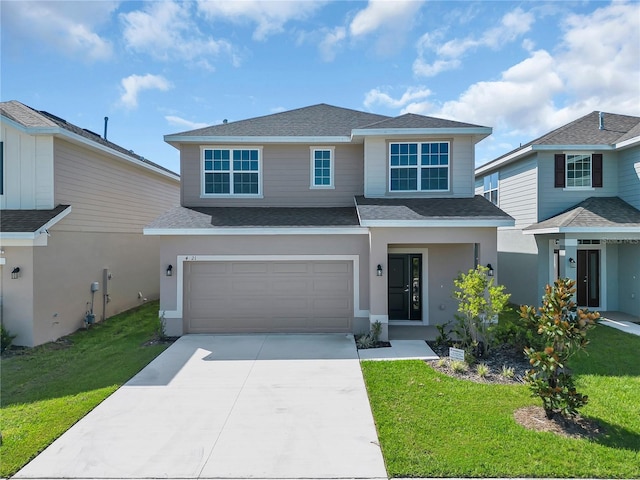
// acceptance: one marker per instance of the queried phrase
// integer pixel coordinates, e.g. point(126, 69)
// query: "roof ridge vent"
point(601, 120)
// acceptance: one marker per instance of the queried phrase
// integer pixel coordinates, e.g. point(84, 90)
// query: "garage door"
point(268, 296)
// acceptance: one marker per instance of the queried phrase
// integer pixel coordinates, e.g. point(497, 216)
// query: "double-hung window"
point(231, 171)
point(491, 188)
point(419, 166)
point(322, 167)
point(578, 170)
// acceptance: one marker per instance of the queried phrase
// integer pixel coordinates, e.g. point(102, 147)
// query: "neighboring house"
point(322, 219)
point(72, 209)
point(575, 196)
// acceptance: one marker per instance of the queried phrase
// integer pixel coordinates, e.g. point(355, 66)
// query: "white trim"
point(32, 239)
point(180, 259)
point(424, 279)
point(258, 231)
point(389, 132)
point(581, 230)
point(312, 184)
point(419, 166)
point(458, 223)
point(231, 171)
point(602, 270)
point(628, 143)
point(75, 138)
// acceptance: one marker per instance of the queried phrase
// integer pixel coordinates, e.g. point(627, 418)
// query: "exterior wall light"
point(572, 262)
point(15, 273)
point(379, 270)
point(490, 273)
point(169, 270)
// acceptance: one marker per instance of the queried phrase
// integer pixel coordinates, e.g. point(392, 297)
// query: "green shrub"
point(483, 370)
point(459, 366)
point(516, 331)
point(508, 372)
point(6, 339)
point(479, 303)
point(564, 331)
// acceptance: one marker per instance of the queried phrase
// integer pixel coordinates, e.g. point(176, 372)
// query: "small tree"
point(564, 331)
point(479, 303)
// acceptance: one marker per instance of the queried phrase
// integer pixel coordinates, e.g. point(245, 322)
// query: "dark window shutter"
point(596, 170)
point(559, 170)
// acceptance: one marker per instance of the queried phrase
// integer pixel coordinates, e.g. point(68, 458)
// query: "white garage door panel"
point(296, 296)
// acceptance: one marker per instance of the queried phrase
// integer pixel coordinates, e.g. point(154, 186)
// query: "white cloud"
point(175, 121)
point(596, 66)
point(377, 97)
point(166, 30)
point(331, 42)
point(270, 17)
point(391, 20)
point(512, 25)
point(69, 27)
point(134, 84)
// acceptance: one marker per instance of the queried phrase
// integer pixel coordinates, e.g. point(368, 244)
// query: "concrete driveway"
point(229, 406)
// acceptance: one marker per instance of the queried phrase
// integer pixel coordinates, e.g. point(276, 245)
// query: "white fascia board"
point(461, 223)
point(571, 148)
point(75, 138)
point(203, 140)
point(37, 238)
point(390, 132)
point(256, 231)
point(581, 230)
point(628, 143)
point(509, 158)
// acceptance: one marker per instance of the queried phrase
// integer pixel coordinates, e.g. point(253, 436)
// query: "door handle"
point(406, 289)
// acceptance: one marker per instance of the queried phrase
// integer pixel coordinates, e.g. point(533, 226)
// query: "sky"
point(162, 67)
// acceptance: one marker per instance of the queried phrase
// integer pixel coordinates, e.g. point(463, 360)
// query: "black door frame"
point(588, 278)
point(404, 295)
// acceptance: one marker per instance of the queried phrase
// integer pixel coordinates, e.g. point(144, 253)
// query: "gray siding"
point(108, 195)
point(629, 278)
point(286, 178)
point(629, 176)
point(517, 194)
point(556, 200)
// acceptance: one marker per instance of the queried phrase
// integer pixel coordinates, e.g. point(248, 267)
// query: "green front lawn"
point(49, 388)
point(431, 425)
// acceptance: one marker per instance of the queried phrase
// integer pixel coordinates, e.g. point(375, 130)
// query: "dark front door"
point(405, 286)
point(588, 278)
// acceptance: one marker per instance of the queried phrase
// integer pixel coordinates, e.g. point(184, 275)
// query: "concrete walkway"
point(621, 321)
point(236, 406)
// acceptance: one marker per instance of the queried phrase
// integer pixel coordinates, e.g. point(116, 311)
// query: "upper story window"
point(578, 170)
point(322, 167)
point(419, 166)
point(231, 171)
point(491, 188)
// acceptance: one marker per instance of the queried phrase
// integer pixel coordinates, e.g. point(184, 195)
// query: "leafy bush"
point(376, 330)
point(6, 339)
point(479, 303)
point(519, 332)
point(563, 329)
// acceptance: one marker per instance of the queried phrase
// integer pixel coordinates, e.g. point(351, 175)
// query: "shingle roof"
point(477, 207)
point(226, 217)
point(31, 118)
point(411, 120)
point(316, 120)
point(586, 131)
point(594, 212)
point(27, 221)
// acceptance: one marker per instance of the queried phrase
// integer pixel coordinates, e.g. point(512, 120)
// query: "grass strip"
point(47, 389)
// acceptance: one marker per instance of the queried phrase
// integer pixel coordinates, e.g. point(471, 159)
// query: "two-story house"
point(322, 219)
point(72, 209)
point(575, 197)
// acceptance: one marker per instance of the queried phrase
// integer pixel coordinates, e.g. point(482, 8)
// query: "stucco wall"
point(16, 295)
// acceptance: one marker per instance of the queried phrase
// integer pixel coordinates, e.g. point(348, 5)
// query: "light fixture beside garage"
point(15, 273)
point(490, 268)
point(379, 270)
point(169, 270)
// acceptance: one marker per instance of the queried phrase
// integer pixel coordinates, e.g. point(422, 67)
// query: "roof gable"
point(412, 120)
point(30, 118)
point(316, 120)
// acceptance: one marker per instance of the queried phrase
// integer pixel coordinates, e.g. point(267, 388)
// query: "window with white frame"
point(491, 188)
point(419, 166)
point(322, 167)
point(231, 171)
point(578, 170)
